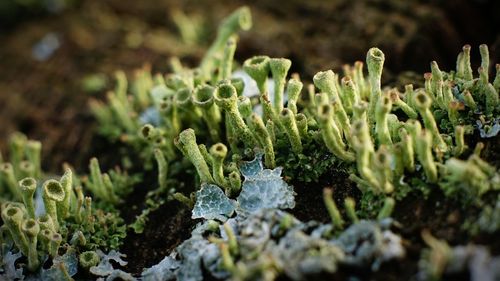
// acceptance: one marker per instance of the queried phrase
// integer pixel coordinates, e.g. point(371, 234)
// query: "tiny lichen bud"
point(44, 237)
point(88, 259)
point(437, 79)
point(279, 69)
point(31, 229)
point(460, 66)
point(87, 215)
point(33, 153)
point(293, 88)
point(359, 79)
point(183, 199)
point(331, 134)
point(78, 238)
point(382, 162)
point(258, 68)
point(28, 188)
point(183, 97)
point(271, 130)
point(447, 93)
point(393, 125)
point(231, 239)
point(17, 144)
point(26, 169)
point(12, 216)
point(264, 138)
point(204, 151)
point(203, 98)
point(321, 98)
point(349, 93)
point(235, 182)
point(238, 84)
point(187, 140)
point(428, 84)
point(8, 177)
point(387, 208)
point(359, 111)
point(227, 99)
point(382, 110)
point(55, 242)
point(162, 168)
point(226, 63)
point(291, 130)
point(350, 208)
point(341, 118)
point(122, 113)
point(423, 146)
point(333, 211)
point(363, 145)
point(375, 61)
point(218, 152)
point(398, 159)
point(241, 19)
point(79, 203)
point(150, 133)
point(269, 113)
point(469, 100)
point(325, 81)
point(453, 114)
point(67, 184)
point(395, 98)
point(459, 140)
point(492, 99)
point(485, 59)
point(301, 119)
point(53, 192)
point(423, 104)
point(227, 260)
point(407, 150)
point(99, 183)
point(121, 85)
point(45, 221)
point(496, 82)
point(467, 66)
point(244, 107)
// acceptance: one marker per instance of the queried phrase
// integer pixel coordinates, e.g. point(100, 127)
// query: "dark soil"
point(168, 227)
point(309, 200)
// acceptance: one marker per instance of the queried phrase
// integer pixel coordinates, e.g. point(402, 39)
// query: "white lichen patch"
point(212, 203)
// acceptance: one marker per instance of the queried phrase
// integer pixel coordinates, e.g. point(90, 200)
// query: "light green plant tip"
point(28, 188)
point(333, 211)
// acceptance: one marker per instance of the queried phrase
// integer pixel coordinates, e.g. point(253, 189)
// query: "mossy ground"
point(46, 99)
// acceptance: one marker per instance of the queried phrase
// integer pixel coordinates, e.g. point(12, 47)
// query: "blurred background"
point(56, 54)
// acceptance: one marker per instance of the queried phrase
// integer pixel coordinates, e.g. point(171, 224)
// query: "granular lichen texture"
point(212, 166)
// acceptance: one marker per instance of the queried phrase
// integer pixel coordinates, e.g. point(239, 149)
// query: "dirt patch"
point(167, 227)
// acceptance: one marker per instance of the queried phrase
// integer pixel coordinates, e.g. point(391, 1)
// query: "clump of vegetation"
point(199, 127)
point(49, 217)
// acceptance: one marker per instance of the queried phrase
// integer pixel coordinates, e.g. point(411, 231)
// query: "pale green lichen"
point(390, 144)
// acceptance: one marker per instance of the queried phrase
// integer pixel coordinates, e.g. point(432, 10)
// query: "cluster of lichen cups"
point(37, 237)
point(354, 119)
point(67, 217)
point(386, 137)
